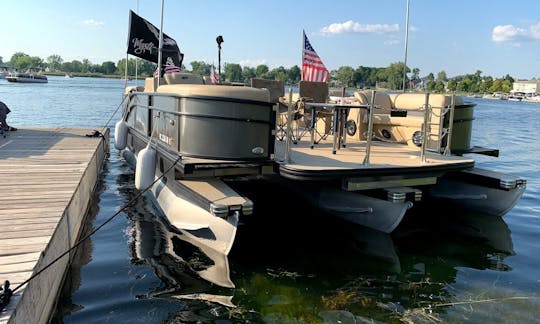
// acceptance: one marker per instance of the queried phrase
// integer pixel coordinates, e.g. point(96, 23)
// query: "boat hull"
point(186, 211)
point(353, 207)
point(478, 190)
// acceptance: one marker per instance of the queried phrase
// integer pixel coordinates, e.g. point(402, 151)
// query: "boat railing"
point(435, 124)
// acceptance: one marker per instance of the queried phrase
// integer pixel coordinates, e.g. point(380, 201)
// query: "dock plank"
point(48, 175)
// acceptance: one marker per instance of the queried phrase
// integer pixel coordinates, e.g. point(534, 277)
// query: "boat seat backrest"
point(183, 78)
point(314, 91)
point(383, 103)
point(415, 101)
point(275, 87)
point(151, 84)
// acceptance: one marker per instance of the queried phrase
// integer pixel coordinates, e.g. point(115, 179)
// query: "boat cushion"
point(412, 120)
point(182, 78)
point(222, 91)
point(414, 101)
point(383, 104)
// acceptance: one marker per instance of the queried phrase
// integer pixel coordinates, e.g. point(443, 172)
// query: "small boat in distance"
point(27, 78)
point(4, 71)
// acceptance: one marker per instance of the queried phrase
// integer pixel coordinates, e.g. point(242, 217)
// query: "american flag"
point(313, 68)
point(213, 75)
point(169, 68)
point(172, 68)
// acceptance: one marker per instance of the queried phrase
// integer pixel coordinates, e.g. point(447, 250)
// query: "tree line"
point(390, 77)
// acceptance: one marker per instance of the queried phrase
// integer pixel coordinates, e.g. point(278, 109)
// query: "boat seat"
point(415, 101)
point(310, 91)
point(411, 120)
point(383, 103)
point(244, 93)
point(151, 84)
point(276, 88)
point(182, 78)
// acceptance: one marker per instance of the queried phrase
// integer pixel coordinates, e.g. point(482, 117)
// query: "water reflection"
point(300, 264)
point(172, 254)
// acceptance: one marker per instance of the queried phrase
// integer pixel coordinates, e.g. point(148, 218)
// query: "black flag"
point(143, 42)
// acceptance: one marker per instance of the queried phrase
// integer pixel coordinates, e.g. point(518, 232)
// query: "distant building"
point(526, 86)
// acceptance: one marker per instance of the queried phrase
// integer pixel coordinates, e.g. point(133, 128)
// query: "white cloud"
point(252, 63)
point(354, 27)
point(94, 23)
point(391, 41)
point(511, 33)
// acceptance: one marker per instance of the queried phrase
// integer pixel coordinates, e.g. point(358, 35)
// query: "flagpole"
point(406, 44)
point(136, 58)
point(302, 51)
point(160, 42)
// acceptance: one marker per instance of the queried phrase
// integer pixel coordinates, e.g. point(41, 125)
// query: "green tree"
point(430, 85)
point(23, 62)
point(441, 76)
point(200, 68)
point(294, 74)
point(451, 85)
point(261, 70)
point(77, 65)
point(248, 73)
point(345, 75)
point(394, 75)
point(233, 72)
point(464, 85)
point(54, 62)
point(108, 67)
point(121, 66)
point(439, 86)
point(497, 86)
point(415, 77)
point(507, 85)
point(279, 73)
point(146, 68)
point(485, 84)
point(86, 65)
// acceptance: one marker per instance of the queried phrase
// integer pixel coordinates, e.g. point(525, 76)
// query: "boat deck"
point(48, 175)
point(385, 159)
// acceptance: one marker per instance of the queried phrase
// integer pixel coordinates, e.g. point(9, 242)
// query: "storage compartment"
point(217, 122)
point(462, 128)
point(225, 129)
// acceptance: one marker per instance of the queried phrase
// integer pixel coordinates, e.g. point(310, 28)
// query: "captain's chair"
point(311, 91)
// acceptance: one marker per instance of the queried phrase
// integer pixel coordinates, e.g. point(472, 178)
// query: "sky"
point(496, 37)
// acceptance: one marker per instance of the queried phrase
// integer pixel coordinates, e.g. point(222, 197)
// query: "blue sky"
point(459, 37)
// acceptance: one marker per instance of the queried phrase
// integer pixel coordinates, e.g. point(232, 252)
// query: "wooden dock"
point(47, 177)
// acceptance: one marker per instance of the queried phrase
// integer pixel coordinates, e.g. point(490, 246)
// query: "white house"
point(526, 86)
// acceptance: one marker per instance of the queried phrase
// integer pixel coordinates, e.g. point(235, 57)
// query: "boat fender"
point(146, 168)
point(120, 135)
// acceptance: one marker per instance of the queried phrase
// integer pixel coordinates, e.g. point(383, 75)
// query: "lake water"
point(292, 264)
